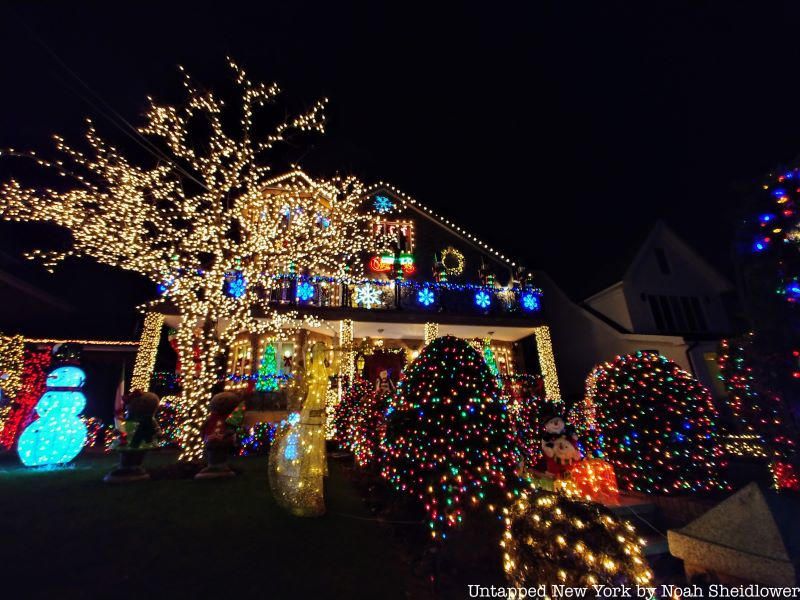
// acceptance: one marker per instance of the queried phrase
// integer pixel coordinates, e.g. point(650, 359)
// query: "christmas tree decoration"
point(297, 462)
point(448, 440)
point(58, 435)
point(207, 220)
point(784, 476)
point(656, 425)
point(268, 371)
point(551, 539)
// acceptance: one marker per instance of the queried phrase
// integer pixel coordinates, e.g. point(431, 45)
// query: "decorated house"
point(435, 279)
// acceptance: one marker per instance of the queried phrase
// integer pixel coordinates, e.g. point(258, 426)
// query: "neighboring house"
point(665, 297)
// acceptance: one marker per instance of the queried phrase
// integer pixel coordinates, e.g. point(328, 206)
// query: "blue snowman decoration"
point(58, 434)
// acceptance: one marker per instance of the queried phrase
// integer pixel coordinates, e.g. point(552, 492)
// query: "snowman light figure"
point(58, 434)
point(559, 446)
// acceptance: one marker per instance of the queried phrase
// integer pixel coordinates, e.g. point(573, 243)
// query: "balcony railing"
point(406, 295)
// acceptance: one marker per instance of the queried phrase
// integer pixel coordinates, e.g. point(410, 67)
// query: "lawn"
point(66, 534)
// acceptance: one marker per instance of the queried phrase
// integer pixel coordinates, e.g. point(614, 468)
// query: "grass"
point(65, 534)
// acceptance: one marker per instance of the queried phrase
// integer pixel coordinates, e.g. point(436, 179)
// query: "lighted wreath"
point(453, 261)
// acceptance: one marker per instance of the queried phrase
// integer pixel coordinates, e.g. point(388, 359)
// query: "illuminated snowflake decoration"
point(383, 204)
point(530, 302)
point(425, 297)
point(235, 284)
point(482, 299)
point(368, 296)
point(305, 291)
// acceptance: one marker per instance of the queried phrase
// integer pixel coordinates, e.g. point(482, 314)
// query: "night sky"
point(558, 132)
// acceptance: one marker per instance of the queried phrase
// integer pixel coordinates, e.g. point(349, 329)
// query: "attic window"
point(661, 258)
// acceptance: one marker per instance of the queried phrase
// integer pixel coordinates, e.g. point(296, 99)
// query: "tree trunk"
point(198, 376)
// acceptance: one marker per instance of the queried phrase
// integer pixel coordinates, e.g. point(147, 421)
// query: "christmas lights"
point(448, 440)
point(453, 261)
point(206, 207)
point(12, 355)
point(431, 332)
point(656, 424)
point(58, 434)
point(146, 355)
point(551, 539)
point(547, 363)
point(33, 379)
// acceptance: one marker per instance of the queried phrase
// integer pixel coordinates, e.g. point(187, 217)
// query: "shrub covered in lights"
point(551, 539)
point(656, 424)
point(448, 440)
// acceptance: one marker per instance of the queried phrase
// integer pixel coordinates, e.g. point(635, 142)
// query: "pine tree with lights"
point(268, 371)
point(367, 427)
point(656, 424)
point(449, 441)
point(205, 219)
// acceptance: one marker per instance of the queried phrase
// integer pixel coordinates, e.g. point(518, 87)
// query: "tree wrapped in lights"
point(205, 212)
point(448, 437)
point(656, 424)
point(344, 411)
point(367, 426)
point(551, 539)
point(33, 378)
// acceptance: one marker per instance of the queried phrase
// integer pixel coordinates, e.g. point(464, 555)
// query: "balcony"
point(407, 296)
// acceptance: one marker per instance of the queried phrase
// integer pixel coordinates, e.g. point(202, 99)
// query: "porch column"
point(146, 355)
point(431, 332)
point(347, 366)
point(547, 362)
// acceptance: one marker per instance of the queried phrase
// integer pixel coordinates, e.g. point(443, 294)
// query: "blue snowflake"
point(305, 291)
point(530, 302)
point(235, 284)
point(383, 204)
point(482, 299)
point(425, 297)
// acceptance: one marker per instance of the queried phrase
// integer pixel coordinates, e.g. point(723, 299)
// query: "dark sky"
point(557, 131)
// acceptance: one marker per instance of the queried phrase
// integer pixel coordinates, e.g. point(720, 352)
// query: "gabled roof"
point(613, 272)
point(411, 204)
point(407, 202)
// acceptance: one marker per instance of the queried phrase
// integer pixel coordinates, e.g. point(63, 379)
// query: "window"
point(677, 314)
point(661, 259)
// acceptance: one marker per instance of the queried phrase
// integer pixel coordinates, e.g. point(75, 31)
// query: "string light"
point(233, 216)
point(547, 363)
point(455, 259)
point(34, 376)
point(448, 440)
point(550, 539)
point(431, 332)
point(656, 424)
point(146, 356)
point(12, 355)
point(58, 435)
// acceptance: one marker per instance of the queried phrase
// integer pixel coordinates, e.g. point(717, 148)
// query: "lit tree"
point(205, 221)
point(448, 439)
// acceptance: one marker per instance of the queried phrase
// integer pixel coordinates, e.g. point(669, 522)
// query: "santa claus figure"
point(559, 446)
